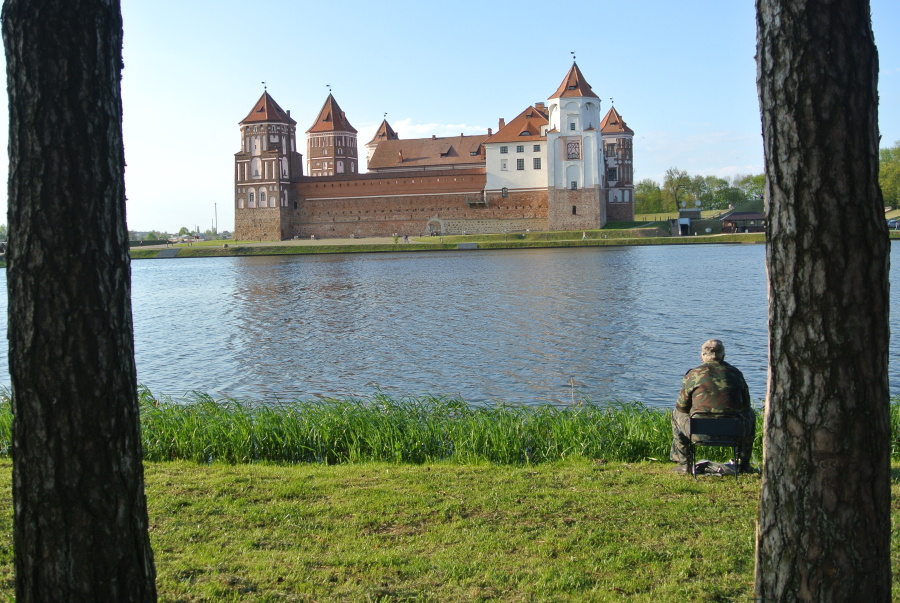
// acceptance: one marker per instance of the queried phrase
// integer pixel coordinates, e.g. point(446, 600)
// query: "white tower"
point(575, 156)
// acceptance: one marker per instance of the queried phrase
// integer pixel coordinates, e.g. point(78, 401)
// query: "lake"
point(524, 326)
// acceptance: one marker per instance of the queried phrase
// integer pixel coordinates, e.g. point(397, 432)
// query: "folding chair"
point(724, 429)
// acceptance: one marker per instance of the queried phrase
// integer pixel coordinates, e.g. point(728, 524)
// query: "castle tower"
point(385, 132)
point(575, 165)
point(618, 153)
point(263, 170)
point(331, 143)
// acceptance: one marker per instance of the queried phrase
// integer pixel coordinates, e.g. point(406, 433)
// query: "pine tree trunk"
point(80, 517)
point(824, 523)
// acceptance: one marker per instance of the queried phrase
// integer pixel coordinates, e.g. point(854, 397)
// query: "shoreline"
point(386, 245)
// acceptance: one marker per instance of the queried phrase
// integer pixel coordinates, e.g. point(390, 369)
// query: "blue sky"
point(682, 74)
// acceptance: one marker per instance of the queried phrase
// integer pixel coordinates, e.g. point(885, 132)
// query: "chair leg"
point(692, 465)
point(737, 462)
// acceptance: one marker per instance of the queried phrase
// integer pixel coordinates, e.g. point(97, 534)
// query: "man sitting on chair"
point(714, 386)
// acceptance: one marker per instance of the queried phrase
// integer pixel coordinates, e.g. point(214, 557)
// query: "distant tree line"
point(680, 187)
point(889, 174)
point(161, 235)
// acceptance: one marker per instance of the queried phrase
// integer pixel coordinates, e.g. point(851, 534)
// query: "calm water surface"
point(521, 326)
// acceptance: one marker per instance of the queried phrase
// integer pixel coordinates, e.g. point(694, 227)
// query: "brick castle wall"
point(620, 212)
point(450, 202)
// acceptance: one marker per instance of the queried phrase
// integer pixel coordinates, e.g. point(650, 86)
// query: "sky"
point(681, 74)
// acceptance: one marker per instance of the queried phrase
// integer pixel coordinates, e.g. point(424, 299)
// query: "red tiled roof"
point(614, 124)
point(331, 119)
point(422, 152)
point(385, 132)
point(530, 120)
point(267, 110)
point(574, 84)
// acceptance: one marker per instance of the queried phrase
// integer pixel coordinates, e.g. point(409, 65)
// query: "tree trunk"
point(80, 517)
point(824, 523)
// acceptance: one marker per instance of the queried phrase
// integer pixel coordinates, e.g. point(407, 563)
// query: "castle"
point(556, 166)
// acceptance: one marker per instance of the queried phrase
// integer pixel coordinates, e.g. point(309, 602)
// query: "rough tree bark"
point(824, 524)
point(80, 517)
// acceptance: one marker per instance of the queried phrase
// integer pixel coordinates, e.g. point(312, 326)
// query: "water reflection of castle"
point(556, 166)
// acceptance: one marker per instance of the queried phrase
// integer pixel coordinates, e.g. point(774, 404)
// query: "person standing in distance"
point(714, 386)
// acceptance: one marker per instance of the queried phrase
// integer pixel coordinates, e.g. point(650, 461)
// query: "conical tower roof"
point(385, 132)
point(614, 124)
point(267, 110)
point(331, 119)
point(574, 84)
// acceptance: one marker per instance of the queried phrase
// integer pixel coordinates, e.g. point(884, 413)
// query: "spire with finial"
point(264, 87)
point(573, 55)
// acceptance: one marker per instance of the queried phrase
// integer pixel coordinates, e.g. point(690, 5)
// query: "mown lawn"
point(577, 530)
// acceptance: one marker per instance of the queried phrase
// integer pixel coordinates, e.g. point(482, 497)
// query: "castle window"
point(573, 150)
point(520, 164)
point(572, 125)
point(504, 192)
point(611, 149)
point(537, 163)
point(251, 201)
point(504, 150)
point(537, 148)
point(520, 148)
point(574, 209)
point(340, 151)
point(262, 197)
point(612, 174)
point(574, 186)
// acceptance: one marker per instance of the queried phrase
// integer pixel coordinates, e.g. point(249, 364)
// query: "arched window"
point(254, 167)
point(504, 192)
point(240, 203)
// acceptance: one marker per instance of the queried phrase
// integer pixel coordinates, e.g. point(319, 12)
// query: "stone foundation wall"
point(492, 226)
point(260, 224)
point(590, 212)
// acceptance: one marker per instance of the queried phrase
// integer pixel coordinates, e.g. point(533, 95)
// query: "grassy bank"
point(568, 531)
point(433, 500)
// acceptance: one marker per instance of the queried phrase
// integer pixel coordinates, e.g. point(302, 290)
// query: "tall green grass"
point(406, 430)
point(423, 429)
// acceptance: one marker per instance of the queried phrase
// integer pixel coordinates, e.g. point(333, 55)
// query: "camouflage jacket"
point(713, 386)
